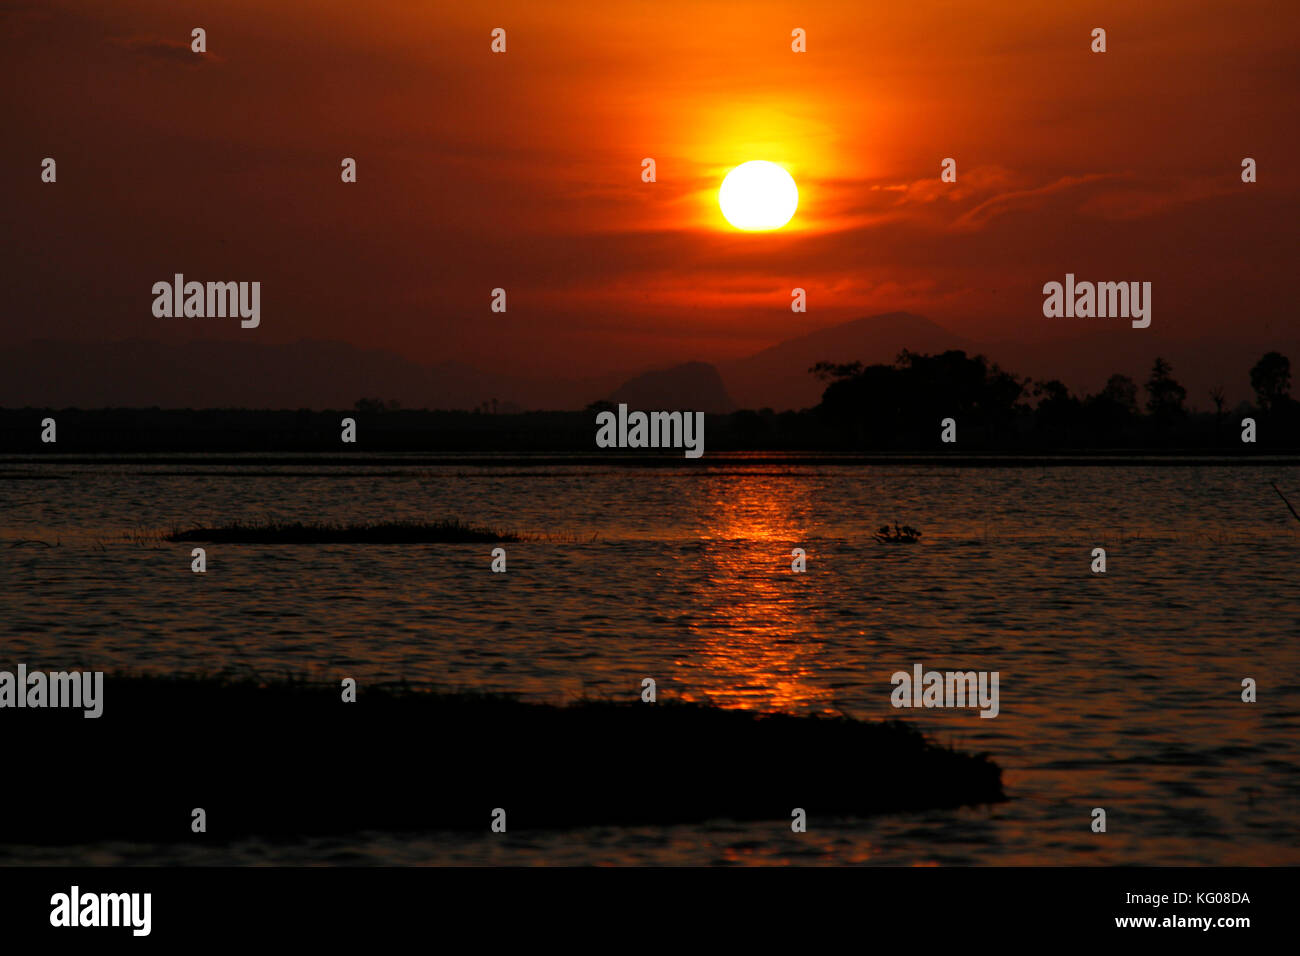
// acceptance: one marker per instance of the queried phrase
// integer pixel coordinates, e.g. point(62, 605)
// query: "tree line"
point(886, 406)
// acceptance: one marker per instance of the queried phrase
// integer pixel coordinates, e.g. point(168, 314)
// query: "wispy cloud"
point(163, 50)
point(1023, 199)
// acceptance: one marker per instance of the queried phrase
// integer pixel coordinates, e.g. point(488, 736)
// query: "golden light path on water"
point(749, 646)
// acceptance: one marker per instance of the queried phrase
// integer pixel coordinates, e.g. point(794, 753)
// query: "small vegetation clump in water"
point(899, 535)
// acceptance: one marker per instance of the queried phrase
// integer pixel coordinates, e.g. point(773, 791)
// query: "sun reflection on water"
point(748, 646)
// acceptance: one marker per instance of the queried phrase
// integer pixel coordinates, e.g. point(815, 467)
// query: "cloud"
point(985, 194)
point(160, 50)
point(1138, 199)
point(1019, 199)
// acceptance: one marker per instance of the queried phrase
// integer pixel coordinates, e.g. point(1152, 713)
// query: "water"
point(1120, 691)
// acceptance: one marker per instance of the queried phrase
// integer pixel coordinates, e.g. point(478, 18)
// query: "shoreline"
point(710, 463)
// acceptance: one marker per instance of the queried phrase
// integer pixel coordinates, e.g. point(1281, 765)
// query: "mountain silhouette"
point(778, 378)
point(696, 386)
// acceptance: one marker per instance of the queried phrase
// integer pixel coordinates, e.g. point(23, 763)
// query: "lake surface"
point(1120, 691)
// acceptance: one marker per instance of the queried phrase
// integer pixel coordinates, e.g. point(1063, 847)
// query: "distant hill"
point(695, 385)
point(778, 378)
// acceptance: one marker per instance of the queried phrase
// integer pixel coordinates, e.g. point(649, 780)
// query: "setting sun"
point(758, 195)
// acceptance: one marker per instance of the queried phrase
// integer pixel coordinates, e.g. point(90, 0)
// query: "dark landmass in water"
point(390, 532)
point(288, 759)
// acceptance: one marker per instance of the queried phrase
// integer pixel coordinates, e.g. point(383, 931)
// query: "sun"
point(758, 195)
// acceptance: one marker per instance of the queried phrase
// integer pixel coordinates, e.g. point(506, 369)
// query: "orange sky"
point(522, 170)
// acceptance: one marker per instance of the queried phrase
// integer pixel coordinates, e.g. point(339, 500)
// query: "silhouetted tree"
point(1271, 380)
point(1058, 411)
point(831, 371)
point(1122, 393)
point(884, 404)
point(902, 404)
point(1165, 396)
point(1219, 397)
point(1112, 412)
point(871, 401)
